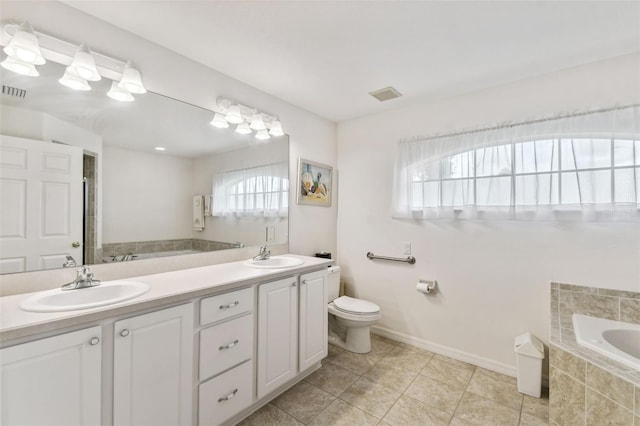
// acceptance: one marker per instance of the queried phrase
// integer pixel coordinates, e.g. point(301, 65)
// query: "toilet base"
point(357, 340)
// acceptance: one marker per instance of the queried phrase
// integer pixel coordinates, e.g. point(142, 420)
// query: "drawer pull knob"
point(228, 397)
point(230, 305)
point(293, 284)
point(124, 333)
point(304, 281)
point(229, 346)
point(94, 341)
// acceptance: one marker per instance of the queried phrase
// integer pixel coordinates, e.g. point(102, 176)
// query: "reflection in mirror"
point(81, 176)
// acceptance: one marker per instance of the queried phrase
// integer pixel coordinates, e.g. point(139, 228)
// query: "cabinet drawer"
point(225, 345)
point(226, 395)
point(223, 306)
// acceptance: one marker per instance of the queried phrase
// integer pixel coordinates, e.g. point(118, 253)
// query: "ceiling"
point(325, 56)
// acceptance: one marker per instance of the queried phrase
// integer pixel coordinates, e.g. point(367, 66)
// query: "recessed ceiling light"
point(385, 94)
point(160, 148)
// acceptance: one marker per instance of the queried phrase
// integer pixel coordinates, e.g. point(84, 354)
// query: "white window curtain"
point(585, 166)
point(258, 191)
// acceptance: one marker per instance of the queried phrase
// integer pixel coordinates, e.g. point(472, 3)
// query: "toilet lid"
point(355, 306)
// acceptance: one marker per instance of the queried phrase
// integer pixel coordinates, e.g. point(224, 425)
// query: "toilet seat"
point(354, 306)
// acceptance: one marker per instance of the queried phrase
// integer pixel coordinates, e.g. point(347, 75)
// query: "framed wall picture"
point(314, 183)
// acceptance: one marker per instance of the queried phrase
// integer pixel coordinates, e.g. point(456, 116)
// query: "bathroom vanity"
point(207, 346)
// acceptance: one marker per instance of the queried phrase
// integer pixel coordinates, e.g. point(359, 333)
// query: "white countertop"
point(166, 288)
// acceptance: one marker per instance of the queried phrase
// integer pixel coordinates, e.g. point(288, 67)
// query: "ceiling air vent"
point(385, 94)
point(14, 91)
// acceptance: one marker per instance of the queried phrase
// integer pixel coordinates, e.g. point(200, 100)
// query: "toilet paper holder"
point(426, 286)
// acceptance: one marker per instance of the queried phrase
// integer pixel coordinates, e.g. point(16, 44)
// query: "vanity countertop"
point(166, 288)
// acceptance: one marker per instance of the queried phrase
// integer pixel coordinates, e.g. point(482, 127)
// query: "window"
point(476, 175)
point(257, 191)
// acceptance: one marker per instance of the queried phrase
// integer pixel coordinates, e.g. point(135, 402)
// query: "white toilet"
point(349, 318)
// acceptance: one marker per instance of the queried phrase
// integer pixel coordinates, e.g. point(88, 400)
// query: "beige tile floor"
point(398, 384)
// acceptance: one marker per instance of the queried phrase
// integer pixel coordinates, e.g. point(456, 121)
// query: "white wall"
point(493, 276)
point(173, 75)
point(247, 230)
point(147, 197)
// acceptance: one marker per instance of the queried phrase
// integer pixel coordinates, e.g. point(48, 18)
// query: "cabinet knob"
point(229, 346)
point(94, 341)
point(228, 397)
point(124, 333)
point(230, 305)
point(304, 281)
point(293, 284)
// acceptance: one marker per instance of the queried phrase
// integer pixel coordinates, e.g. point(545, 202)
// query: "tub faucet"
point(264, 253)
point(84, 279)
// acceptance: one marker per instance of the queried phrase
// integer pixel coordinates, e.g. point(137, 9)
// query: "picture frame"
point(314, 183)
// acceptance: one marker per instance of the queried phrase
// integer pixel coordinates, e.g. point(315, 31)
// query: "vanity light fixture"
point(19, 67)
point(74, 82)
point(262, 135)
point(24, 46)
point(84, 64)
point(131, 80)
point(243, 128)
point(247, 118)
point(276, 128)
point(233, 115)
point(257, 123)
point(119, 94)
point(219, 121)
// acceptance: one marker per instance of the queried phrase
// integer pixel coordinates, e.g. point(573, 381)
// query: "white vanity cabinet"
point(53, 381)
point(226, 356)
point(314, 319)
point(292, 328)
point(153, 368)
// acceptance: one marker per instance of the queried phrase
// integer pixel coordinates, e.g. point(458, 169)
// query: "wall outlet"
point(271, 233)
point(406, 247)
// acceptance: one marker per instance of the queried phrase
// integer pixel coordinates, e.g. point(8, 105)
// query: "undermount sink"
point(274, 262)
point(107, 293)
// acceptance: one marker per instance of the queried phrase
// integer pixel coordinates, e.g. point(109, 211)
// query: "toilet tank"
point(334, 283)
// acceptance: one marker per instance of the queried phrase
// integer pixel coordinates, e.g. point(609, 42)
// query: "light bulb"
point(219, 121)
point(84, 65)
point(257, 123)
point(243, 129)
point(131, 80)
point(74, 82)
point(19, 67)
point(24, 46)
point(276, 128)
point(233, 115)
point(263, 135)
point(119, 94)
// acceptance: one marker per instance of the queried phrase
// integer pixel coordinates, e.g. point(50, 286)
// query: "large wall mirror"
point(82, 176)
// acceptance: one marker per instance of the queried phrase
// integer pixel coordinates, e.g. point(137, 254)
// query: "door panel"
point(41, 204)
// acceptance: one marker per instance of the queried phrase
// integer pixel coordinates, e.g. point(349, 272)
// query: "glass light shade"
point(257, 123)
point(243, 129)
point(233, 115)
point(219, 121)
point(74, 82)
point(276, 128)
point(132, 80)
point(84, 65)
point(119, 94)
point(24, 46)
point(19, 67)
point(262, 135)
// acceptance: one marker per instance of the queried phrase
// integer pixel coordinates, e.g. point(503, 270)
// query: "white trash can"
point(529, 355)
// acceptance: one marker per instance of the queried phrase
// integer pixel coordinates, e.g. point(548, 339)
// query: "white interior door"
point(40, 204)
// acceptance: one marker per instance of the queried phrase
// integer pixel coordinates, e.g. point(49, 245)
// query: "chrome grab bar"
point(409, 259)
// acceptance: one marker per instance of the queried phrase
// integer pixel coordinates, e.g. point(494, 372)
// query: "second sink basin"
point(107, 293)
point(274, 262)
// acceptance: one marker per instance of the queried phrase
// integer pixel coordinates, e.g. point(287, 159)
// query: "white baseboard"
point(489, 364)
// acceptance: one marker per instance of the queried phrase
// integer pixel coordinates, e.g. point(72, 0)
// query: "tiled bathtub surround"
point(586, 387)
point(118, 249)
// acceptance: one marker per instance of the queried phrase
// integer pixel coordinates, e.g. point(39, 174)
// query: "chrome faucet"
point(70, 262)
point(84, 279)
point(264, 254)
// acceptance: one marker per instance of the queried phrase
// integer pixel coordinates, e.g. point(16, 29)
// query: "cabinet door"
point(53, 381)
point(313, 318)
point(153, 364)
point(277, 334)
